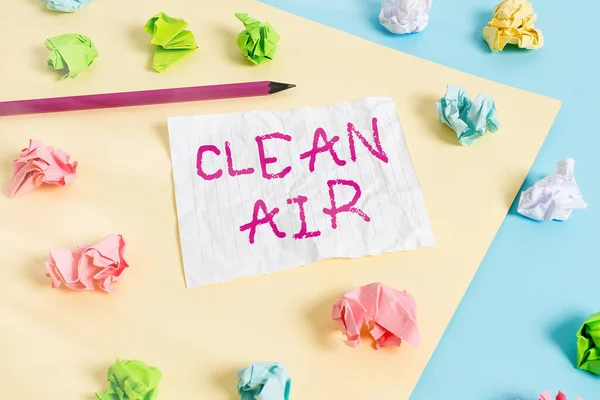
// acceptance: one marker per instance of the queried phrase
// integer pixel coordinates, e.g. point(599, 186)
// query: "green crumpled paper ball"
point(70, 53)
point(131, 380)
point(171, 40)
point(258, 42)
point(588, 345)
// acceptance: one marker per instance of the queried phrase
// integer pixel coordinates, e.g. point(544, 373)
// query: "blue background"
point(513, 335)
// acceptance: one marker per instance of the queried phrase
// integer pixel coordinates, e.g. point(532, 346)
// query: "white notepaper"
point(389, 215)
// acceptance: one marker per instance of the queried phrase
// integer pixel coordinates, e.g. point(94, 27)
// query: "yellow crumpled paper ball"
point(512, 22)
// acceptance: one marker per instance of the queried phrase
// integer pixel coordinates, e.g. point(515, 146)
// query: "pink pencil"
point(141, 98)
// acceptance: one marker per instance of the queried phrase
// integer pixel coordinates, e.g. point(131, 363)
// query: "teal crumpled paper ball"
point(264, 381)
point(469, 119)
point(67, 6)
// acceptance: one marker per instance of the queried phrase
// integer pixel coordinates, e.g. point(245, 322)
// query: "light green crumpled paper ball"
point(171, 40)
point(588, 345)
point(258, 42)
point(70, 53)
point(131, 380)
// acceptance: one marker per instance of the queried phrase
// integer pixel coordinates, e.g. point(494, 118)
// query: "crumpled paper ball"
point(390, 315)
point(67, 6)
point(70, 53)
point(264, 381)
point(258, 42)
point(131, 380)
point(405, 16)
point(88, 267)
point(512, 22)
point(588, 345)
point(469, 119)
point(39, 164)
point(171, 40)
point(553, 197)
point(559, 396)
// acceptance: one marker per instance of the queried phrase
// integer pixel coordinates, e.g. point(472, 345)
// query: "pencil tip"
point(278, 87)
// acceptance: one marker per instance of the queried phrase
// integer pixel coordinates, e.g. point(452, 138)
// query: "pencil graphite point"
point(278, 87)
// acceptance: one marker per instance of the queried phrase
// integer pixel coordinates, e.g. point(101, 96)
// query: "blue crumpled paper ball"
point(67, 6)
point(264, 381)
point(469, 119)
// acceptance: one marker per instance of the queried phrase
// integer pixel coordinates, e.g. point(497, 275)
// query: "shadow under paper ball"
point(563, 334)
point(426, 110)
point(228, 381)
point(527, 183)
point(326, 330)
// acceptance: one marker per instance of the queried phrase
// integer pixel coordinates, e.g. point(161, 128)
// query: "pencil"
point(141, 98)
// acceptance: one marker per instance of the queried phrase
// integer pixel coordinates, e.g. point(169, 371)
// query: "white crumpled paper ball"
point(554, 197)
point(405, 16)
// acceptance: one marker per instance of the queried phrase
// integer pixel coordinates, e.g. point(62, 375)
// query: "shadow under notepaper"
point(162, 131)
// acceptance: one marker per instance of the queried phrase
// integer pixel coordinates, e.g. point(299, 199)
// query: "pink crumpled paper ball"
point(40, 164)
point(559, 396)
point(88, 267)
point(390, 315)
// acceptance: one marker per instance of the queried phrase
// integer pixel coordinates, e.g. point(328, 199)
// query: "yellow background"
point(57, 344)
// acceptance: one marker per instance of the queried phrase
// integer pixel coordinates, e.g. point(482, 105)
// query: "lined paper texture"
point(263, 191)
